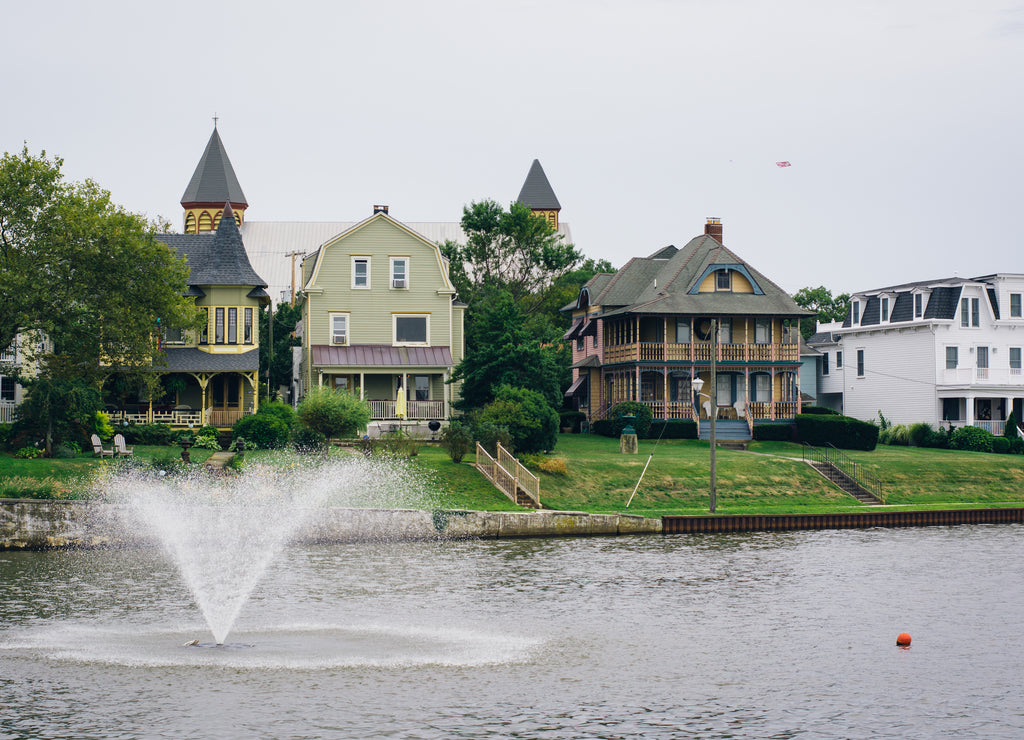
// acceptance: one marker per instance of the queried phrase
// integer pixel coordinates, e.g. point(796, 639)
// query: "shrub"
point(457, 439)
point(604, 427)
point(774, 432)
point(1017, 446)
point(5, 434)
point(571, 420)
point(897, 434)
point(282, 411)
point(491, 435)
point(673, 429)
point(1010, 430)
point(971, 439)
point(919, 433)
point(643, 415)
point(101, 425)
point(333, 413)
point(819, 410)
point(28, 453)
point(148, 434)
point(841, 431)
point(208, 430)
point(1000, 445)
point(395, 444)
point(545, 464)
point(526, 414)
point(306, 440)
point(66, 450)
point(262, 431)
point(206, 442)
point(937, 439)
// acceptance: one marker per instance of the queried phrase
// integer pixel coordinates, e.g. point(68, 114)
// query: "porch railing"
point(700, 352)
point(996, 427)
point(7, 413)
point(414, 410)
point(180, 417)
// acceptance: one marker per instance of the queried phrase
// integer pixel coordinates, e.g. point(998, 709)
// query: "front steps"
point(727, 431)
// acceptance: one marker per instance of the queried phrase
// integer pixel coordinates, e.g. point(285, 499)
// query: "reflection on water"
point(745, 635)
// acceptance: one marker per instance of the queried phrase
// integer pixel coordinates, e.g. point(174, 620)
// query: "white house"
point(946, 352)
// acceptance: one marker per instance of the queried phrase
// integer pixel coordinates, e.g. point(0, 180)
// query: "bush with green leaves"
point(673, 429)
point(1000, 445)
point(774, 432)
point(526, 414)
point(1010, 430)
point(919, 433)
point(936, 439)
point(207, 442)
point(843, 432)
point(571, 420)
point(282, 411)
point(148, 434)
point(262, 431)
point(334, 413)
point(308, 441)
point(971, 439)
point(491, 435)
point(28, 453)
point(819, 410)
point(642, 412)
point(208, 430)
point(894, 434)
point(6, 431)
point(457, 439)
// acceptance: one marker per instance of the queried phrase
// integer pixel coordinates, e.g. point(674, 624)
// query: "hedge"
point(840, 431)
point(774, 432)
point(673, 429)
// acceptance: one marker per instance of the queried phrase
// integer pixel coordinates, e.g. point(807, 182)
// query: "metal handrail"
point(850, 468)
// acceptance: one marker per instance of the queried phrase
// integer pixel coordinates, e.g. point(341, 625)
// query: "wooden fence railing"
point(509, 476)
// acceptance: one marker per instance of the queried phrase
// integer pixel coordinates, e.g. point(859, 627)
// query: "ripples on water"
point(780, 635)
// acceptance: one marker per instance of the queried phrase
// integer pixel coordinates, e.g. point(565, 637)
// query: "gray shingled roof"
point(942, 302)
point(217, 258)
point(214, 180)
point(666, 282)
point(191, 359)
point(537, 192)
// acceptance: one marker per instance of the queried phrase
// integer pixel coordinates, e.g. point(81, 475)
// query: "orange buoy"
point(903, 639)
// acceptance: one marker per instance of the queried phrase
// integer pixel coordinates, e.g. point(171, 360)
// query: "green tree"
point(333, 413)
point(280, 361)
point(514, 250)
point(826, 307)
point(59, 409)
point(501, 351)
point(526, 414)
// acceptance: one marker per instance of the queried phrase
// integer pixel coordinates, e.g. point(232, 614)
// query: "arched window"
point(190, 223)
point(205, 222)
point(216, 219)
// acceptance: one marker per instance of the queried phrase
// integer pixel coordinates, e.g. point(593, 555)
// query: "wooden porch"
point(421, 410)
point(700, 352)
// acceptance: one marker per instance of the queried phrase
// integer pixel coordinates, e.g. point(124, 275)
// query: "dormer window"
point(885, 308)
point(856, 312)
point(918, 305)
point(723, 280)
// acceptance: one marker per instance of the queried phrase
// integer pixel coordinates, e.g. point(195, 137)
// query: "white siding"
point(899, 376)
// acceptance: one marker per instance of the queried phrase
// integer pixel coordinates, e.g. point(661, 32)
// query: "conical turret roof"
point(214, 180)
point(537, 192)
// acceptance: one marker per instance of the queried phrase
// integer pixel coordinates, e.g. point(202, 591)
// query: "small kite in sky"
point(783, 164)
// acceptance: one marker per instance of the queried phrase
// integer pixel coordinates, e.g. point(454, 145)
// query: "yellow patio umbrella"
point(400, 402)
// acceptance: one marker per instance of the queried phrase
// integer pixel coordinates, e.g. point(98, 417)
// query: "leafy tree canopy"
point(821, 301)
point(514, 250)
point(501, 350)
point(84, 272)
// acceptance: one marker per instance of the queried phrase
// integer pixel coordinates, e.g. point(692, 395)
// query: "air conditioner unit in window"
point(398, 283)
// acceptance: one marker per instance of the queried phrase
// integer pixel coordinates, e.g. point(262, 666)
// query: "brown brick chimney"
point(713, 228)
point(384, 209)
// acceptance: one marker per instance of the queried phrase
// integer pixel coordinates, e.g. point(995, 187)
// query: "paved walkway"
point(218, 460)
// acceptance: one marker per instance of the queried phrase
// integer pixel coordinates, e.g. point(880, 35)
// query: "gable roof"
point(537, 192)
point(217, 258)
point(667, 282)
point(214, 179)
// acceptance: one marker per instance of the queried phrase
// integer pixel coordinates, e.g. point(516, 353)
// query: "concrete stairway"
point(844, 482)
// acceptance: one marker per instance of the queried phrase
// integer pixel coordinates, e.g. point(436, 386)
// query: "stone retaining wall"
point(28, 524)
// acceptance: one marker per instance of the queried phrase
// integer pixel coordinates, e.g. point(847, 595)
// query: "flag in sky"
point(783, 164)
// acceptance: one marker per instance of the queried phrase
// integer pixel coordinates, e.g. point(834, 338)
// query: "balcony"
point(424, 410)
point(981, 376)
point(700, 352)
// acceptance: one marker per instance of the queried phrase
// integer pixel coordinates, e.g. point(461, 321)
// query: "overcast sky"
point(903, 120)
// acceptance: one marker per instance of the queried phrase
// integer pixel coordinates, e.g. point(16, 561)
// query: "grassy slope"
point(600, 479)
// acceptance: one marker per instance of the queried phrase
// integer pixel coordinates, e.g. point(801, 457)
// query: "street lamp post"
point(698, 384)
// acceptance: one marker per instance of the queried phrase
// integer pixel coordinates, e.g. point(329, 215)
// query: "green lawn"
point(769, 478)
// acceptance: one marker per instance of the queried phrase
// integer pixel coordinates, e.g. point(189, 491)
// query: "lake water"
point(766, 635)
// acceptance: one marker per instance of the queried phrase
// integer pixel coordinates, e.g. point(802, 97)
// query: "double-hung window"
point(204, 333)
point(952, 358)
point(725, 331)
point(762, 331)
point(723, 280)
point(1015, 306)
point(247, 326)
point(6, 389)
point(982, 356)
point(400, 272)
point(411, 329)
point(970, 312)
point(232, 326)
point(885, 309)
point(839, 359)
point(860, 363)
point(856, 312)
point(361, 272)
point(339, 328)
point(421, 386)
point(682, 331)
point(918, 305)
point(218, 326)
point(824, 363)
point(1015, 361)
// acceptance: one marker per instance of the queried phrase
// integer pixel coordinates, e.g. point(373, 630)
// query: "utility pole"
point(293, 255)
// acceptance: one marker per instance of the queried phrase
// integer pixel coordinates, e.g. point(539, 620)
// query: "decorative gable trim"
point(741, 269)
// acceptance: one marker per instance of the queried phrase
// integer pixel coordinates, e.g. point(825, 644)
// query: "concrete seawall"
point(29, 524)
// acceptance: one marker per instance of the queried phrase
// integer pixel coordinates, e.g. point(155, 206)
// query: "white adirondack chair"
point(120, 449)
point(97, 448)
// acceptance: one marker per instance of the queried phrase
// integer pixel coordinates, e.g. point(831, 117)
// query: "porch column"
point(445, 394)
point(362, 386)
point(320, 377)
point(636, 389)
point(969, 420)
point(771, 392)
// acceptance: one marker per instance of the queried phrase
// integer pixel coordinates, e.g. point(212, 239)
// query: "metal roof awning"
point(589, 329)
point(575, 386)
point(380, 355)
point(573, 332)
